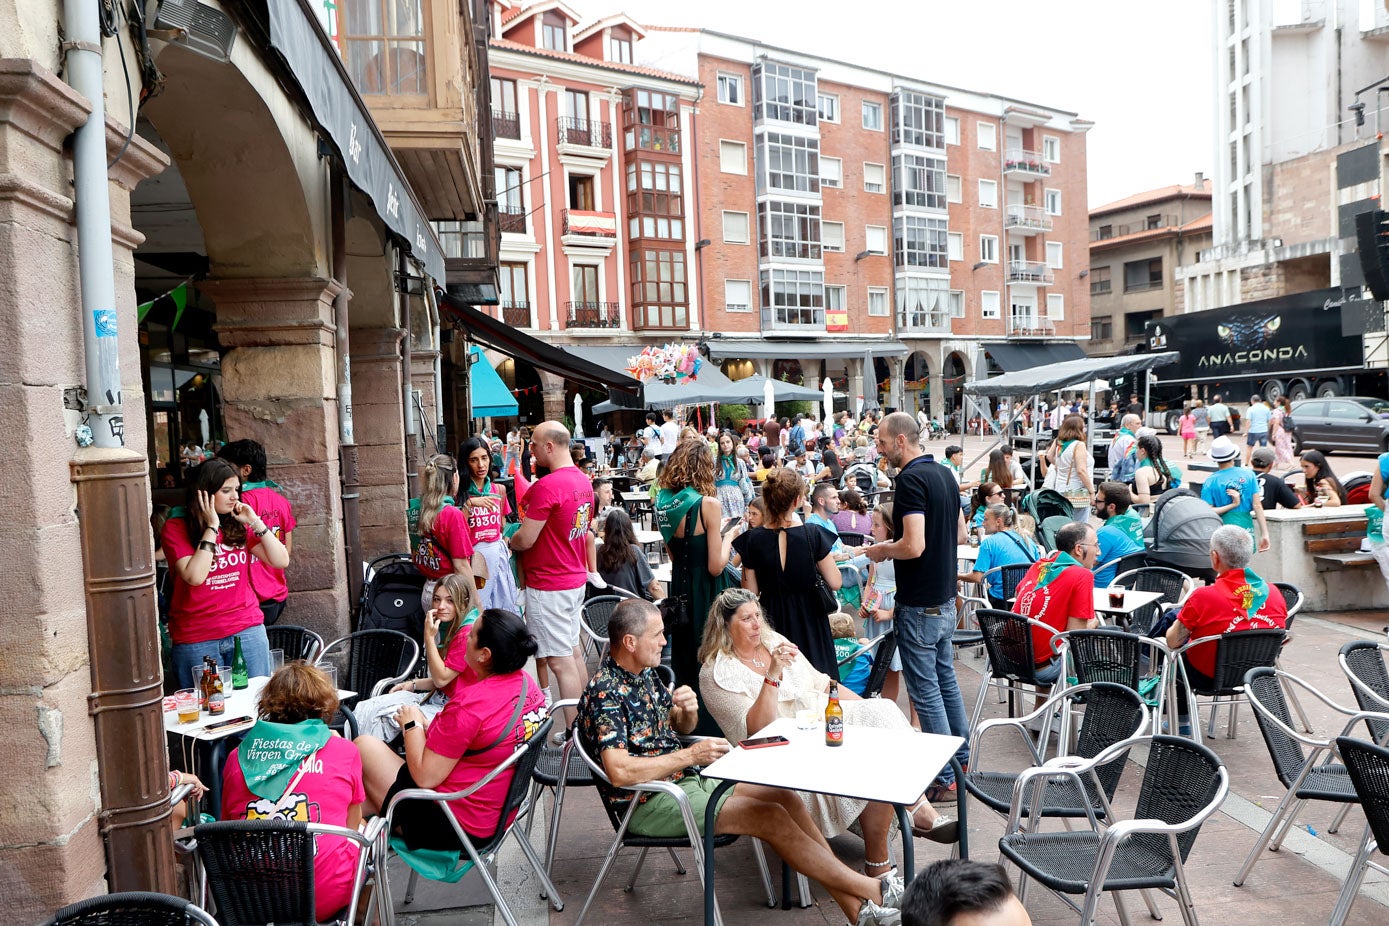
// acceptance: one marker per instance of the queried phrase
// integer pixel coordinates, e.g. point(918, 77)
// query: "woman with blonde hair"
point(445, 543)
point(750, 675)
point(1066, 466)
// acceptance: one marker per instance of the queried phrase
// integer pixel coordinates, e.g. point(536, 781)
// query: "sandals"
point(944, 830)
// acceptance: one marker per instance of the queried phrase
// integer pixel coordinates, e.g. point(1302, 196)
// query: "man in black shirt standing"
point(927, 524)
point(1276, 491)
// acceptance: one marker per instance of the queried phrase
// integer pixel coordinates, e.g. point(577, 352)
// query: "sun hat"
point(1222, 449)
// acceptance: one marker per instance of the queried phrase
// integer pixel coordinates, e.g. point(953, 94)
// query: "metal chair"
point(853, 538)
point(1105, 654)
point(1368, 766)
point(1129, 562)
point(517, 806)
point(296, 642)
point(1183, 784)
point(546, 774)
point(1306, 776)
point(261, 871)
point(1113, 713)
point(1363, 663)
point(369, 662)
point(1009, 576)
point(132, 908)
point(882, 647)
point(597, 611)
point(1172, 584)
point(1235, 654)
point(1293, 600)
point(1012, 662)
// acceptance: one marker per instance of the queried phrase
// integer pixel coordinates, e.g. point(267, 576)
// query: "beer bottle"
point(205, 684)
point(216, 698)
point(239, 677)
point(834, 718)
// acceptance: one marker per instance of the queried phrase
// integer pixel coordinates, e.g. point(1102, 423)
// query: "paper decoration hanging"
point(673, 363)
point(179, 295)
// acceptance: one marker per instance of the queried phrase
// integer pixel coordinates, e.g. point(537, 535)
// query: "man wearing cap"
point(1234, 492)
point(1276, 491)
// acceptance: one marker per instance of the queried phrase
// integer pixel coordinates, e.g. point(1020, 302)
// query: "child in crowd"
point(879, 599)
point(854, 675)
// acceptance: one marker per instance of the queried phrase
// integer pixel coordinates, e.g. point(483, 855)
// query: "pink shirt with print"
point(485, 522)
point(225, 604)
point(274, 509)
point(448, 539)
point(564, 501)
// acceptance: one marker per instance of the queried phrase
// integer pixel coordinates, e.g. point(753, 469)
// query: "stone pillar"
point(552, 396)
point(897, 393)
point(379, 425)
point(855, 370)
point(422, 379)
point(279, 382)
point(937, 394)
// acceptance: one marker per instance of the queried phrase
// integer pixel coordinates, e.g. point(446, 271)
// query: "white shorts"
point(553, 617)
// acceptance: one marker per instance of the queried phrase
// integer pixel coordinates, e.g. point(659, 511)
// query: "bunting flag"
point(179, 295)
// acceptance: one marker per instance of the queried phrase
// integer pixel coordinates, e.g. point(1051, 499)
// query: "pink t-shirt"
point(326, 792)
point(473, 718)
point(274, 509)
point(564, 501)
point(446, 541)
point(486, 523)
point(225, 604)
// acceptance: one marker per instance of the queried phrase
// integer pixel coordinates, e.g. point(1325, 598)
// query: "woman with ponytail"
point(445, 543)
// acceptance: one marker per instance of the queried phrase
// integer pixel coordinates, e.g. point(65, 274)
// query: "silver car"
point(1353, 423)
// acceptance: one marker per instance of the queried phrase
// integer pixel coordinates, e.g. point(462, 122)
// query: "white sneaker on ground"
point(871, 914)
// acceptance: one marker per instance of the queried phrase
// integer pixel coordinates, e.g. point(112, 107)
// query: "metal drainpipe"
point(407, 348)
point(347, 441)
point(112, 485)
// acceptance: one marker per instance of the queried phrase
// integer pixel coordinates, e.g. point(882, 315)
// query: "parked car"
point(1349, 423)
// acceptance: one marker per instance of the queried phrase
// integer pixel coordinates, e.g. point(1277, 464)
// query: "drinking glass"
point(277, 660)
point(332, 673)
point(1116, 599)
point(186, 700)
point(226, 673)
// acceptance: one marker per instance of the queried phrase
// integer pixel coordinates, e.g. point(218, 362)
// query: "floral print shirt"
point(620, 710)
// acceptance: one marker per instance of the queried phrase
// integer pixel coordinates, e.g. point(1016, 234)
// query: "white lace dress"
point(728, 689)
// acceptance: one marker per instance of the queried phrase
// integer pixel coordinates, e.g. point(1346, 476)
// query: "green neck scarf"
point(271, 753)
point(1250, 590)
point(1130, 524)
point(671, 508)
point(486, 489)
point(1052, 566)
point(264, 484)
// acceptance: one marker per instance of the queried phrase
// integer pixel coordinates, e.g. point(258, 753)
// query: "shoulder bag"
point(675, 609)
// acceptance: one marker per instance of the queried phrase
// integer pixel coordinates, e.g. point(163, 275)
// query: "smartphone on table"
point(762, 742)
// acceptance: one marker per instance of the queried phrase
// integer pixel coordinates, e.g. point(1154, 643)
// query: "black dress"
point(788, 593)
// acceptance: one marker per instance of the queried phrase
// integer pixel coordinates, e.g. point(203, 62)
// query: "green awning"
point(491, 398)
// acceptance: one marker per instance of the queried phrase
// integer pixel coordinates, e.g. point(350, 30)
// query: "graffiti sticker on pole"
point(105, 321)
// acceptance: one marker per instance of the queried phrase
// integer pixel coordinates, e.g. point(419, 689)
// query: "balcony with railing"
point(923, 321)
point(1033, 272)
point(1154, 222)
point(1027, 220)
point(511, 217)
point(806, 320)
point(585, 137)
point(515, 313)
point(1029, 325)
point(1025, 163)
point(652, 138)
point(584, 223)
point(506, 125)
point(602, 315)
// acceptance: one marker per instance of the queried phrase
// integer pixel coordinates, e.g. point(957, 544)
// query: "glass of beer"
point(186, 701)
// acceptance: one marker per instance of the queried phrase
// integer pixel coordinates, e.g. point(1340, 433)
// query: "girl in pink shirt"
point(486, 506)
point(446, 544)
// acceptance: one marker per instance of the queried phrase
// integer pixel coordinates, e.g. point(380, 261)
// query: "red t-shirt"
point(446, 541)
point(473, 719)
point(323, 795)
point(1219, 608)
point(1070, 594)
point(564, 501)
point(225, 604)
point(274, 509)
point(486, 523)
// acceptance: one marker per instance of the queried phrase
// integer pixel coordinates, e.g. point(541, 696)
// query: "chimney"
point(1200, 180)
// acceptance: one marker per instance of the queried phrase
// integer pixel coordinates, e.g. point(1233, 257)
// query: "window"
point(832, 235)
point(385, 48)
point(514, 291)
point(788, 230)
point(1054, 255)
point(832, 172)
point(461, 239)
point(620, 46)
point(922, 302)
point(1056, 306)
point(735, 228)
point(1051, 201)
point(733, 157)
point(737, 295)
point(875, 239)
point(658, 289)
point(955, 245)
point(784, 93)
point(989, 304)
point(1102, 328)
point(919, 241)
point(652, 121)
point(827, 107)
point(954, 192)
point(874, 177)
point(511, 205)
point(576, 109)
point(793, 163)
point(917, 119)
point(793, 297)
point(504, 95)
point(1099, 281)
point(552, 32)
point(988, 136)
point(919, 180)
point(988, 248)
point(877, 301)
point(730, 89)
point(1140, 275)
point(655, 201)
point(957, 303)
point(873, 116)
point(1051, 149)
point(581, 192)
point(988, 194)
point(585, 284)
point(834, 299)
point(952, 132)
point(1152, 222)
point(1106, 231)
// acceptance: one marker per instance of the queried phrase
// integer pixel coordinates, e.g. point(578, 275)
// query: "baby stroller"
point(937, 430)
point(1179, 533)
point(391, 596)
point(1047, 503)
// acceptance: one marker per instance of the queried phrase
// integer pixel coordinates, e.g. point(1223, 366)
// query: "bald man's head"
point(550, 445)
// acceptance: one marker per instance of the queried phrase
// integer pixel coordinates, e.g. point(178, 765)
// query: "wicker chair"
point(597, 611)
point(853, 538)
point(296, 642)
point(1235, 654)
point(1368, 766)
point(547, 775)
point(1108, 655)
point(1307, 776)
point(132, 908)
point(369, 662)
point(1012, 663)
point(967, 634)
point(1183, 785)
point(1170, 583)
point(1363, 663)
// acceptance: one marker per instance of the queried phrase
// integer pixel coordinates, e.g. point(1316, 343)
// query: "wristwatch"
point(410, 725)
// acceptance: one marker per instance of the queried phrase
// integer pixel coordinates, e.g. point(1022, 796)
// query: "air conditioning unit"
point(202, 29)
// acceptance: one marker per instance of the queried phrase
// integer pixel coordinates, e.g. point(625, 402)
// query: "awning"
point(296, 36)
point(488, 330)
point(782, 391)
point(1061, 375)
point(722, 349)
point(1013, 356)
point(490, 397)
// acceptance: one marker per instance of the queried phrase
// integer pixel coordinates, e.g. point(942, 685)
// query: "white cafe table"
point(1133, 603)
point(966, 552)
point(636, 497)
point(647, 538)
point(890, 766)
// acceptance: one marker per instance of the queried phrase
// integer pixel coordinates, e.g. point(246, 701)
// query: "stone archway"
point(916, 382)
point(954, 375)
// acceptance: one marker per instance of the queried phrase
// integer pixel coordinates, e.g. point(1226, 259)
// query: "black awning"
point(1012, 356)
point(341, 115)
point(1036, 380)
point(499, 336)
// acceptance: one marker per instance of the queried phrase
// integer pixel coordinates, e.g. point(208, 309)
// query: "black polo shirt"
point(925, 487)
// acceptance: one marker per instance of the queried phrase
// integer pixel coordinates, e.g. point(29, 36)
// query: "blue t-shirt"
point(1384, 467)
point(1258, 418)
point(1004, 548)
point(1113, 544)
point(830, 526)
point(1214, 492)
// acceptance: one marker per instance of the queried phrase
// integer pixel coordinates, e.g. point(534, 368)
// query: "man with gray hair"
point(1238, 600)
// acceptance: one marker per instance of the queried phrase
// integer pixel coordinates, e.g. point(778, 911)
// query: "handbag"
point(827, 599)
point(675, 609)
